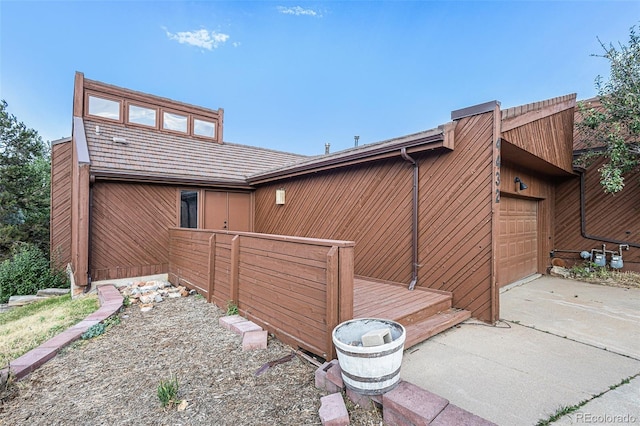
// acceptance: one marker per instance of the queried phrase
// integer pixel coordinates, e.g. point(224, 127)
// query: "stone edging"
point(110, 302)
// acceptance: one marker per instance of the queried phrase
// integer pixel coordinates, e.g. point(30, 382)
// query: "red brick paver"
point(110, 302)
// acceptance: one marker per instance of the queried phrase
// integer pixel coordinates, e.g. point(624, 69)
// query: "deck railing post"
point(333, 310)
point(345, 286)
point(233, 276)
point(212, 266)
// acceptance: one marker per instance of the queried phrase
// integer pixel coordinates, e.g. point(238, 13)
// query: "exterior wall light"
point(280, 196)
point(522, 185)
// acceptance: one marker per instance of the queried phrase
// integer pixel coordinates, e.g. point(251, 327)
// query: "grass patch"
point(168, 391)
point(591, 273)
point(564, 410)
point(232, 308)
point(24, 328)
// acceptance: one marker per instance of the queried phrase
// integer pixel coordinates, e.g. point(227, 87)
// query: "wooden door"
point(215, 210)
point(228, 210)
point(518, 239)
point(239, 211)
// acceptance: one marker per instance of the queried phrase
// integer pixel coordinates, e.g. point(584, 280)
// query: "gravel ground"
point(113, 379)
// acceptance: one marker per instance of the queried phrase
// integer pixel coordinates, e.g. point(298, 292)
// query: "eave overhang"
point(440, 138)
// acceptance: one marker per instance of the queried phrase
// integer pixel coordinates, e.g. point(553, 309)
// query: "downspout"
point(414, 235)
point(87, 288)
point(583, 219)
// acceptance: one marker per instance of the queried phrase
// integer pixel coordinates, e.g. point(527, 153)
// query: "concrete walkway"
point(110, 303)
point(525, 369)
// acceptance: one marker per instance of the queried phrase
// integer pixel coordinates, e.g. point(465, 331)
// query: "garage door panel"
point(518, 244)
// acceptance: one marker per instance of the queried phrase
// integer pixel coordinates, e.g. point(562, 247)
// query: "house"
point(148, 185)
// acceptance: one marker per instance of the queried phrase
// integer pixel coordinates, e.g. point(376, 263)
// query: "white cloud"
point(200, 38)
point(297, 11)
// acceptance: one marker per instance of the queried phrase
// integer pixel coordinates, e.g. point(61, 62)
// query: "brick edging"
point(110, 302)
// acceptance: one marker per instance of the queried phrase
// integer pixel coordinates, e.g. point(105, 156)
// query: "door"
point(518, 239)
point(227, 210)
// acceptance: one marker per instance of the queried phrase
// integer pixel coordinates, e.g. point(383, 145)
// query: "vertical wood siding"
point(612, 216)
point(550, 138)
point(298, 289)
point(60, 225)
point(129, 224)
point(371, 205)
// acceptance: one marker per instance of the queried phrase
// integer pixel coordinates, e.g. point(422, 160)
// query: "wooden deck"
point(423, 312)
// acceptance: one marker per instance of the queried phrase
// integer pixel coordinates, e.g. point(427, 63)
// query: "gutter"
point(166, 179)
point(414, 233)
point(583, 219)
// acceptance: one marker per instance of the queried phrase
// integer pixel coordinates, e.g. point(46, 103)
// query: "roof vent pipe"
point(326, 148)
point(414, 226)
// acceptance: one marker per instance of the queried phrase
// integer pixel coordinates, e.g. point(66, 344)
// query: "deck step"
point(420, 331)
point(414, 316)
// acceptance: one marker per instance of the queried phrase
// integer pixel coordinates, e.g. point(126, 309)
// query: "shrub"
point(26, 272)
point(94, 331)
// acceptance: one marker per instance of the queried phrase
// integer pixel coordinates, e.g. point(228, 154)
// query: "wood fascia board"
point(82, 149)
point(435, 142)
point(108, 89)
point(60, 141)
point(449, 131)
point(118, 175)
point(528, 117)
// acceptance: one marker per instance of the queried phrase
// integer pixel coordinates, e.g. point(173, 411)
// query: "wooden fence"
point(296, 288)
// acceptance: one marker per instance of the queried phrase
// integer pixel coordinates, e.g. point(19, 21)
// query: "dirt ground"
point(113, 379)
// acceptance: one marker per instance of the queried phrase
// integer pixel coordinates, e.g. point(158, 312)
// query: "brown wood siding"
point(550, 138)
point(298, 289)
point(60, 226)
point(455, 217)
point(369, 204)
point(610, 216)
point(129, 224)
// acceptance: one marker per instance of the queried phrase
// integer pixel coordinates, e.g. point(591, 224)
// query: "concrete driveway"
point(562, 343)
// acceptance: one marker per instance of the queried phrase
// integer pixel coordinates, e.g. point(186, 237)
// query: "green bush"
point(26, 272)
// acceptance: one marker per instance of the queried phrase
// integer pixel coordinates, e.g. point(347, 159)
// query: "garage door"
point(518, 239)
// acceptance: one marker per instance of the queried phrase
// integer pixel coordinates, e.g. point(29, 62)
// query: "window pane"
point(204, 128)
point(174, 122)
point(188, 209)
point(104, 108)
point(141, 115)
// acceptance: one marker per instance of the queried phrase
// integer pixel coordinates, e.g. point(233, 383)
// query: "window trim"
point(208, 120)
point(187, 115)
point(198, 206)
point(128, 103)
point(99, 95)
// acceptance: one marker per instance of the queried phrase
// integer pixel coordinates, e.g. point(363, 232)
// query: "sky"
point(294, 75)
